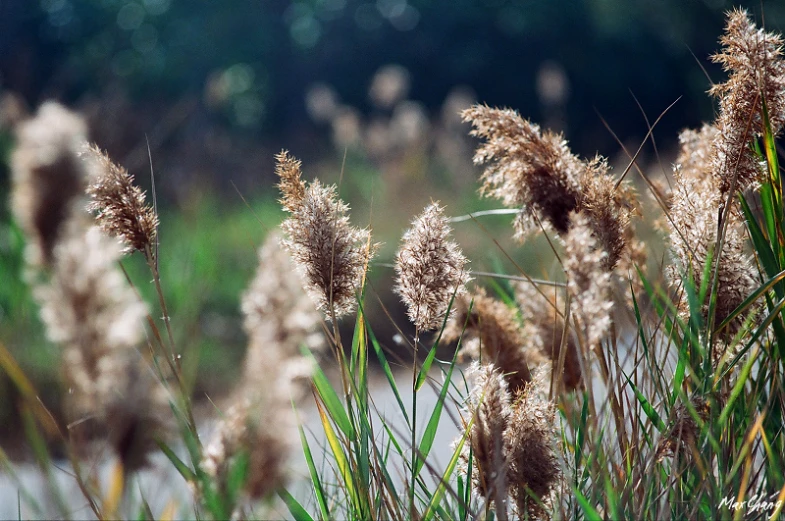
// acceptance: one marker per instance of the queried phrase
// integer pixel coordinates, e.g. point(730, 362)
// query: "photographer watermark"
point(756, 503)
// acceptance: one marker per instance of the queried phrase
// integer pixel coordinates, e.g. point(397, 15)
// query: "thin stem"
point(414, 424)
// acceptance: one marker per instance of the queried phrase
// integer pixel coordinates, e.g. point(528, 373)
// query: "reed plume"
point(536, 171)
point(753, 58)
point(430, 269)
point(532, 466)
point(119, 205)
point(278, 315)
point(490, 407)
point(260, 425)
point(490, 332)
point(694, 226)
point(91, 312)
point(588, 282)
point(331, 254)
point(543, 330)
point(526, 168)
point(48, 177)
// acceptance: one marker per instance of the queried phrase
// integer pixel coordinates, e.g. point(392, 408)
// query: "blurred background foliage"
point(365, 92)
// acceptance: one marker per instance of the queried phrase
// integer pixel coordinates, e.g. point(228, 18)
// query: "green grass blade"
point(295, 508)
point(646, 405)
point(441, 489)
point(179, 465)
point(422, 376)
point(331, 401)
point(318, 490)
point(429, 435)
point(589, 511)
point(388, 374)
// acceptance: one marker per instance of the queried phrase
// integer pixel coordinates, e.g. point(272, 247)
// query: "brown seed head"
point(753, 58)
point(48, 177)
point(119, 206)
point(98, 320)
point(694, 224)
point(490, 408)
point(526, 168)
point(430, 269)
point(291, 185)
point(533, 468)
point(330, 254)
point(588, 280)
point(491, 333)
point(543, 330)
point(279, 316)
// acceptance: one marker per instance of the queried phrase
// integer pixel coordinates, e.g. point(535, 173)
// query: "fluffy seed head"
point(330, 254)
point(490, 408)
point(48, 177)
point(492, 334)
point(98, 320)
point(533, 468)
point(588, 280)
point(694, 225)
point(430, 269)
point(119, 205)
point(753, 58)
point(536, 171)
point(279, 316)
point(526, 168)
point(543, 330)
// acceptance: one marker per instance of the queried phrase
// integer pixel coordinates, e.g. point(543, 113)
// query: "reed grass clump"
point(665, 399)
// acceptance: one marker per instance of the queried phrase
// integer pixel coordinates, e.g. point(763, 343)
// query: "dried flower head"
point(261, 427)
point(533, 468)
point(543, 331)
point(682, 438)
point(329, 252)
point(490, 332)
point(98, 320)
point(694, 225)
point(536, 171)
point(279, 316)
point(607, 209)
point(753, 58)
point(430, 269)
point(526, 168)
point(120, 206)
point(48, 177)
point(490, 408)
point(588, 280)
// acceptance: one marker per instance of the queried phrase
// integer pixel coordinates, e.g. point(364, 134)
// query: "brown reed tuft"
point(279, 316)
point(682, 437)
point(694, 225)
point(536, 171)
point(490, 408)
point(588, 281)
point(532, 466)
point(329, 252)
point(430, 269)
point(261, 428)
point(753, 58)
point(48, 177)
point(543, 330)
point(526, 168)
point(119, 205)
point(98, 320)
point(491, 333)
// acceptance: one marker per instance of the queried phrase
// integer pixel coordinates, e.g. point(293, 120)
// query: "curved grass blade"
point(295, 508)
